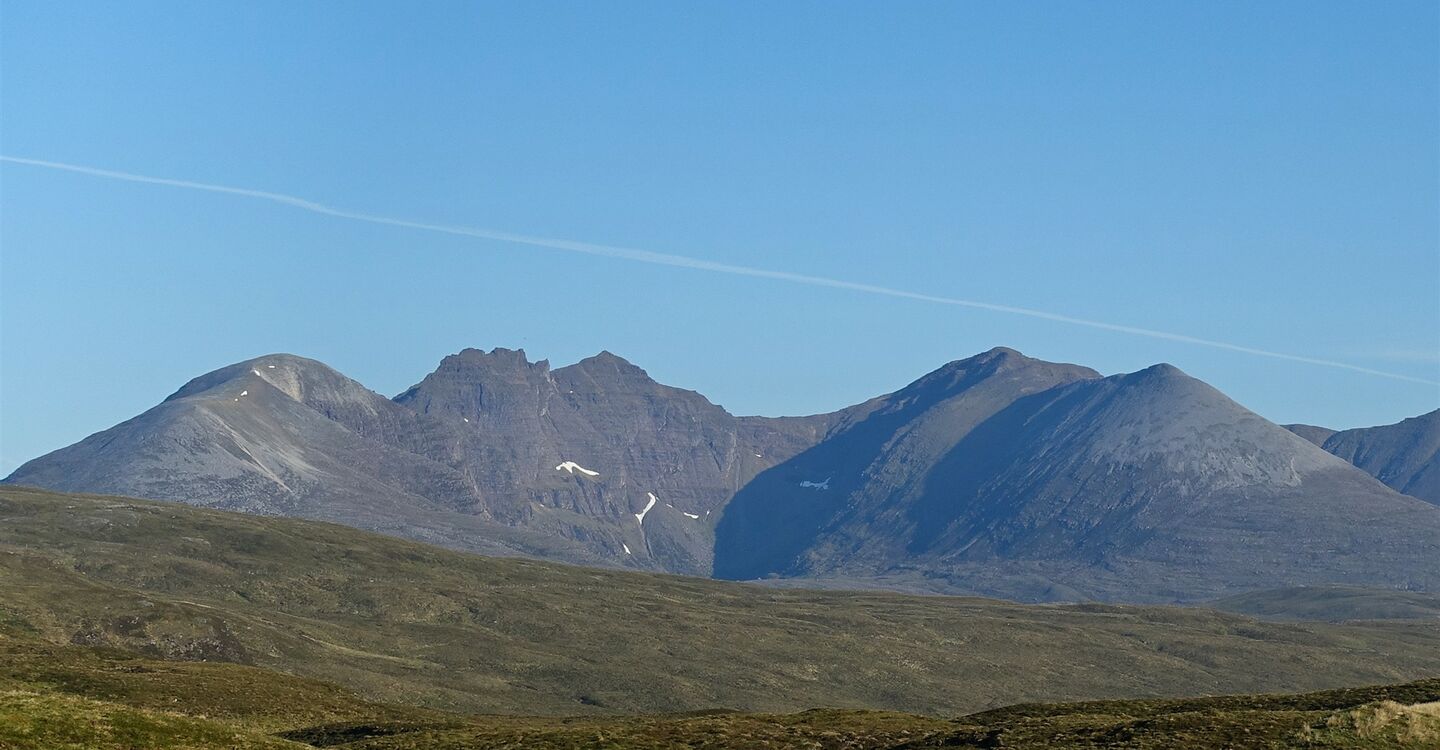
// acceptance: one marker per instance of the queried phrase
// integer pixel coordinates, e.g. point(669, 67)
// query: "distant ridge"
point(998, 474)
point(1316, 435)
point(1405, 455)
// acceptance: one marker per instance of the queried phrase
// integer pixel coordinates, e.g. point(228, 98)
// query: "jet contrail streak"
point(681, 261)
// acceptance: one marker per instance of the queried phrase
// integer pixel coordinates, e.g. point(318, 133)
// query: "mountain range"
point(1404, 455)
point(998, 474)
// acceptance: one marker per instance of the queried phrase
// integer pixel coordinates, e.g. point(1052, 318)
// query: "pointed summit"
point(1159, 370)
point(1000, 356)
point(273, 434)
point(295, 372)
point(607, 366)
point(1021, 373)
point(1001, 353)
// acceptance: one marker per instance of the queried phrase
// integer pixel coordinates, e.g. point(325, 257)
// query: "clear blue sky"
point(1265, 174)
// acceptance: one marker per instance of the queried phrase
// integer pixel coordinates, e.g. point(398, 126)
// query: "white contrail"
point(681, 261)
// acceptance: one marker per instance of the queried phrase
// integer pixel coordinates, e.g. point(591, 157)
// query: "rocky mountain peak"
point(1160, 370)
point(1000, 363)
point(497, 359)
point(1001, 354)
point(307, 381)
point(475, 382)
point(607, 360)
point(1000, 357)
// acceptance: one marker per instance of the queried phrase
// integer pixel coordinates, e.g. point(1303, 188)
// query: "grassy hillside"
point(1334, 604)
point(398, 621)
point(1393, 716)
point(262, 700)
point(1368, 719)
point(81, 697)
point(55, 722)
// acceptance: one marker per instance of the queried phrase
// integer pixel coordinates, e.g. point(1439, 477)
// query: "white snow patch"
point(757, 455)
point(825, 485)
point(573, 467)
point(691, 516)
point(257, 373)
point(626, 546)
point(244, 393)
point(641, 515)
point(269, 367)
point(467, 419)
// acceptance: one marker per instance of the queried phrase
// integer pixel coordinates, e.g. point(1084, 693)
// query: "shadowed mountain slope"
point(868, 460)
point(1151, 486)
point(1405, 455)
